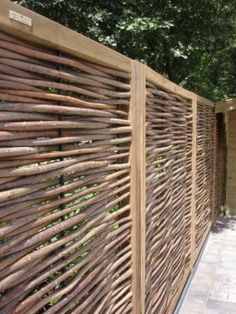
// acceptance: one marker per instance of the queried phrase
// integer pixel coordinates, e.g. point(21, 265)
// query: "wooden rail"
point(107, 174)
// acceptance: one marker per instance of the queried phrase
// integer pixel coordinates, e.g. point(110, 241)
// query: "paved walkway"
point(213, 288)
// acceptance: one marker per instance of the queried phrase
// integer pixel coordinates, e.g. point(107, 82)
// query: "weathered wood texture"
point(108, 176)
point(205, 194)
point(49, 33)
point(231, 169)
point(64, 146)
point(138, 187)
point(221, 154)
point(169, 192)
point(181, 189)
point(225, 105)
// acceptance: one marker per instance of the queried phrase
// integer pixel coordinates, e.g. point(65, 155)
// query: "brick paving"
point(213, 287)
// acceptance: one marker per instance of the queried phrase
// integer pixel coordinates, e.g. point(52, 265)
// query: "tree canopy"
point(193, 43)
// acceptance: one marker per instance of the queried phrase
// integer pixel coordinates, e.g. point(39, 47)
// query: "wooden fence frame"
point(48, 33)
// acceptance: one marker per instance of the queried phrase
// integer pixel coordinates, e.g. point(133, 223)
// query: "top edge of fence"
point(159, 80)
point(26, 24)
point(204, 101)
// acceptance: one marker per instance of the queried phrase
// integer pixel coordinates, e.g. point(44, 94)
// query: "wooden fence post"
point(214, 201)
point(194, 179)
point(138, 183)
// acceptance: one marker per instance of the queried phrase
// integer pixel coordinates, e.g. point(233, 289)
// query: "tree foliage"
point(191, 42)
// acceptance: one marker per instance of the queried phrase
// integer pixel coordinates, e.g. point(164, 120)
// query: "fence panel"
point(169, 195)
point(205, 171)
point(65, 183)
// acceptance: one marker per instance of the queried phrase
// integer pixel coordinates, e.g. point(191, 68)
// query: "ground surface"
point(213, 288)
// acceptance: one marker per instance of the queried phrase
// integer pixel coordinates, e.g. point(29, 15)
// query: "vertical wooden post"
point(214, 203)
point(138, 183)
point(194, 179)
point(226, 121)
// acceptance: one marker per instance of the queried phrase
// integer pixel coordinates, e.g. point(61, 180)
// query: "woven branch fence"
point(109, 176)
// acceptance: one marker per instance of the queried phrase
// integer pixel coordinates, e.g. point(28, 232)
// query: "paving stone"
point(232, 297)
point(213, 287)
point(220, 294)
point(209, 311)
point(195, 302)
point(225, 307)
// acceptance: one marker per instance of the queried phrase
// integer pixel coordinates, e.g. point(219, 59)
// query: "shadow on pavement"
point(223, 223)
